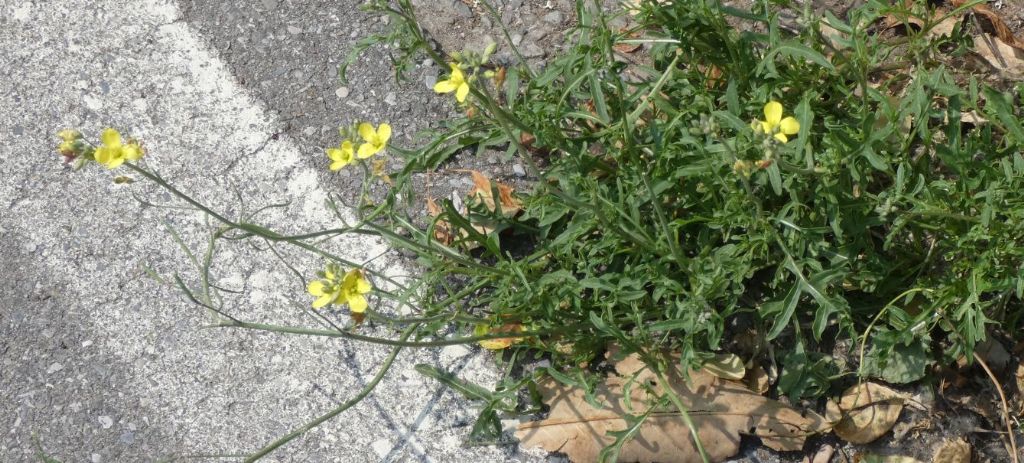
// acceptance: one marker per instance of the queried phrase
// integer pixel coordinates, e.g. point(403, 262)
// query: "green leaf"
point(467, 389)
point(899, 364)
point(799, 50)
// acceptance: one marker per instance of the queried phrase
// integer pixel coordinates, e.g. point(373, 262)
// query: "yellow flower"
point(353, 287)
point(114, 152)
point(376, 140)
point(328, 289)
point(341, 156)
point(774, 125)
point(456, 83)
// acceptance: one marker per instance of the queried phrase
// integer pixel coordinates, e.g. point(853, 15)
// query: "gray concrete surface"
point(101, 363)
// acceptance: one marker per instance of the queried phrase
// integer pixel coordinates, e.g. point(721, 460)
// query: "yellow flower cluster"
point(336, 288)
point(112, 152)
point(374, 141)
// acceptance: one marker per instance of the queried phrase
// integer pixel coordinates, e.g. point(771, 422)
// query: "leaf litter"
point(721, 411)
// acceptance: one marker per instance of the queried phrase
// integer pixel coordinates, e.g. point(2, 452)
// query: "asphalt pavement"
point(101, 362)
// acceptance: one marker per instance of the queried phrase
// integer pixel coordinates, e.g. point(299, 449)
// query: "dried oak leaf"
point(720, 410)
point(956, 450)
point(865, 412)
point(1002, 51)
point(482, 192)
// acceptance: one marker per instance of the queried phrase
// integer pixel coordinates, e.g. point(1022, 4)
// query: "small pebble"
point(96, 458)
point(430, 80)
point(391, 99)
point(341, 92)
point(294, 30)
point(518, 170)
point(269, 4)
point(54, 368)
point(106, 422)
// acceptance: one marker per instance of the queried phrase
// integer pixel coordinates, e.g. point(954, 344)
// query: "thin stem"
point(370, 386)
point(387, 342)
point(1006, 409)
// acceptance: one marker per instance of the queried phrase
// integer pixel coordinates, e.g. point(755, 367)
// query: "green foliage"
point(661, 221)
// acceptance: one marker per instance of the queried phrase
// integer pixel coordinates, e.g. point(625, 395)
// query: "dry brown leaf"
point(721, 410)
point(1019, 376)
point(953, 451)
point(823, 455)
point(483, 193)
point(758, 380)
point(1002, 51)
point(1012, 57)
point(998, 25)
point(865, 412)
point(872, 458)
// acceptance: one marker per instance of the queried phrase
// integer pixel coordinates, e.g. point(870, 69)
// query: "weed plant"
point(789, 195)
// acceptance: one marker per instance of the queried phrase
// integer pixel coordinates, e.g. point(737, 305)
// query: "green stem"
point(387, 342)
point(369, 387)
point(684, 414)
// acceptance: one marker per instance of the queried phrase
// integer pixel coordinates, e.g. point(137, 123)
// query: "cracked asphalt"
point(101, 362)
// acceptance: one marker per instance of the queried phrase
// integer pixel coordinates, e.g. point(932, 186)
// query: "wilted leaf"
point(872, 458)
point(865, 412)
point(758, 380)
point(823, 455)
point(726, 366)
point(498, 343)
point(482, 193)
point(953, 451)
point(1019, 375)
point(998, 25)
point(721, 410)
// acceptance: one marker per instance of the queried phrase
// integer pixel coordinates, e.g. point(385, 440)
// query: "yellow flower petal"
point(114, 163)
point(445, 86)
point(366, 150)
point(363, 286)
point(111, 138)
point(316, 288)
point(103, 155)
point(357, 303)
point(789, 126)
point(323, 300)
point(457, 76)
point(773, 113)
point(384, 133)
point(460, 94)
point(781, 137)
point(765, 127)
point(132, 152)
point(366, 131)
